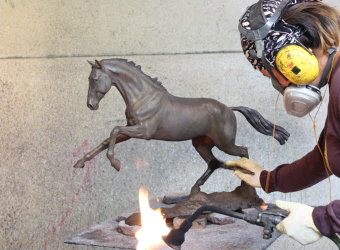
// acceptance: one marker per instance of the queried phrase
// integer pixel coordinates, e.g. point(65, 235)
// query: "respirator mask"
point(300, 100)
point(293, 61)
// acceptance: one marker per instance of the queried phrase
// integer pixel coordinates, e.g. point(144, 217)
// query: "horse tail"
point(262, 125)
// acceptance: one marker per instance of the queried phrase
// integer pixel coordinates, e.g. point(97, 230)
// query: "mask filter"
point(300, 100)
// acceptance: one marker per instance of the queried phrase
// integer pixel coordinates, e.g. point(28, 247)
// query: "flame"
point(153, 225)
point(264, 206)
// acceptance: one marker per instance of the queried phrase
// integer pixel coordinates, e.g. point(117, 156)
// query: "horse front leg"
point(136, 131)
point(101, 147)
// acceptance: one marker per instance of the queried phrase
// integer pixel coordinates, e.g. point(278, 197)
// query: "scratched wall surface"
point(191, 46)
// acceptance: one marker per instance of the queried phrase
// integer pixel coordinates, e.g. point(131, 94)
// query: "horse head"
point(123, 74)
point(99, 84)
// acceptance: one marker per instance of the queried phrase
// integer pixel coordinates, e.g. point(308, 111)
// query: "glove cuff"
point(311, 223)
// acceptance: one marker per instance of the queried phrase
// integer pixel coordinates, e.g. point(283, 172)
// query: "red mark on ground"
point(54, 229)
point(85, 186)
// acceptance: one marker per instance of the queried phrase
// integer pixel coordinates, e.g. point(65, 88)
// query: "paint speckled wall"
point(191, 46)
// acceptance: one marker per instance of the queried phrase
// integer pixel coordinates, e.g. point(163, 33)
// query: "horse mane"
point(138, 67)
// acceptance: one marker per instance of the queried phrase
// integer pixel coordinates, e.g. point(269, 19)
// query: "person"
point(275, 34)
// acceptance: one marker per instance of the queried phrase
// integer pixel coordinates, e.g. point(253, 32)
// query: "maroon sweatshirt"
point(310, 169)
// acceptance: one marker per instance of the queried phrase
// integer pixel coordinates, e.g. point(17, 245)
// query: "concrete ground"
point(191, 46)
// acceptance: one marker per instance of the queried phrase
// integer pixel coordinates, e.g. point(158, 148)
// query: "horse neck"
point(136, 87)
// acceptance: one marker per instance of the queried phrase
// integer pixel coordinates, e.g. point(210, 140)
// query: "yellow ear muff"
point(297, 64)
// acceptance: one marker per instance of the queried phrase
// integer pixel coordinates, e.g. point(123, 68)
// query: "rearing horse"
point(153, 113)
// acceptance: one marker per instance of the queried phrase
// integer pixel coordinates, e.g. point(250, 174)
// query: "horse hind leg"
point(224, 140)
point(234, 150)
point(204, 145)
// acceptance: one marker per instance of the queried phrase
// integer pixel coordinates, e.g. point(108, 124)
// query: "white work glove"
point(299, 225)
point(252, 180)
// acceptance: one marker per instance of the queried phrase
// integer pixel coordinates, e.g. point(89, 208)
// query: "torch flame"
point(153, 225)
point(264, 206)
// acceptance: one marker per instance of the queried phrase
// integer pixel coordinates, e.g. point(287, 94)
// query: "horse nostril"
point(92, 106)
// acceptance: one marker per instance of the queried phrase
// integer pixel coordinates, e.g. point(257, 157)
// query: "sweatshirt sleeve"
point(298, 175)
point(327, 218)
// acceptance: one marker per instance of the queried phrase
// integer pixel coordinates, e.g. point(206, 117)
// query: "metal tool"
point(268, 219)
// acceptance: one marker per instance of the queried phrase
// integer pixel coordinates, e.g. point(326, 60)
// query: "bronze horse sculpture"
point(153, 113)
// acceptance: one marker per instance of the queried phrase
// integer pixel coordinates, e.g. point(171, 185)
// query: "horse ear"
point(97, 64)
point(92, 63)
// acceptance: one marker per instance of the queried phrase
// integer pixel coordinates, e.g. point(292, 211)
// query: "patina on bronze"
point(153, 113)
point(244, 196)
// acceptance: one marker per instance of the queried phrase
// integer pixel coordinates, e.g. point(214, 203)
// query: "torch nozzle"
point(169, 239)
point(176, 237)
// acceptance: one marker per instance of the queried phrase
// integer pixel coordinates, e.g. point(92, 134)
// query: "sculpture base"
point(238, 235)
point(244, 196)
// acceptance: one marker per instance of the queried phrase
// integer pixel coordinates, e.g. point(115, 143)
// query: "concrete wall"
point(191, 46)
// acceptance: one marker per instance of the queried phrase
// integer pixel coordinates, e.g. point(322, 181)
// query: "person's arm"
point(327, 218)
point(296, 176)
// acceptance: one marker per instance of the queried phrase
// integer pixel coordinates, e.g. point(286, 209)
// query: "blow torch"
point(267, 218)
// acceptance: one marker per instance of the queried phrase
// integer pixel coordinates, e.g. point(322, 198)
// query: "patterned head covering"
point(280, 34)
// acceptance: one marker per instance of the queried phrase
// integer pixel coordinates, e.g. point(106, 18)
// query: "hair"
point(321, 22)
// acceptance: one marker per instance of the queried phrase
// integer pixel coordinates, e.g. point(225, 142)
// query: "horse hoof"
point(79, 164)
point(195, 190)
point(116, 164)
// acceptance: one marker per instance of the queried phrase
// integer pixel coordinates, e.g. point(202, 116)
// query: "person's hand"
point(299, 224)
point(252, 180)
